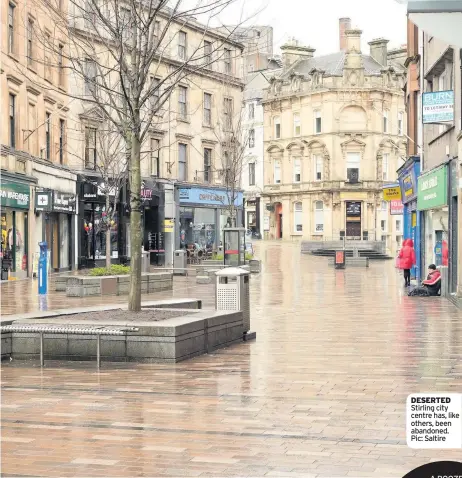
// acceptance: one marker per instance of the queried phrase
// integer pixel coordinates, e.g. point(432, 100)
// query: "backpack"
point(419, 292)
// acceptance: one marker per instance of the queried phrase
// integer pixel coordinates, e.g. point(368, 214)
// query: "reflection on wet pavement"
point(321, 392)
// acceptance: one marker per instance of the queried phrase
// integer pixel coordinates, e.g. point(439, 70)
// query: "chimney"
point(379, 50)
point(353, 58)
point(344, 25)
point(293, 51)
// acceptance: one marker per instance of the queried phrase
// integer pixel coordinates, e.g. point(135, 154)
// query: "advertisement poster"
point(438, 107)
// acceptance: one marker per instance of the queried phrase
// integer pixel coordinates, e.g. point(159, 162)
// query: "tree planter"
point(84, 286)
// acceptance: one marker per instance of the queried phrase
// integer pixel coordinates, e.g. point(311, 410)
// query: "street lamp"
point(439, 18)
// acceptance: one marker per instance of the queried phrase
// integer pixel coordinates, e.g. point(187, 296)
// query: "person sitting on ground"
point(431, 286)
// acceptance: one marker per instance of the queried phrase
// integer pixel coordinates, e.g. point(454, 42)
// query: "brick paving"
point(321, 393)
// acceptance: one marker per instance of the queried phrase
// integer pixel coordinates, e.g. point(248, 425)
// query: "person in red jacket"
point(445, 254)
point(433, 282)
point(407, 260)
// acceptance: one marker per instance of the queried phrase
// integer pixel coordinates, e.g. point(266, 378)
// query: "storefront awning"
point(439, 18)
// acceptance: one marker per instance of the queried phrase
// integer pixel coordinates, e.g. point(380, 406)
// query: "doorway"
point(353, 219)
point(278, 214)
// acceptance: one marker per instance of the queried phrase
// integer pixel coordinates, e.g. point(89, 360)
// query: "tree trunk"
point(108, 234)
point(134, 297)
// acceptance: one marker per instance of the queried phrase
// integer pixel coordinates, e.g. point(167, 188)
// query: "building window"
point(182, 164)
point(11, 11)
point(182, 102)
point(30, 44)
point(297, 125)
point(90, 148)
point(251, 138)
point(385, 121)
point(277, 171)
point(126, 23)
point(398, 225)
point(319, 166)
point(155, 157)
point(62, 135)
point(317, 122)
point(400, 123)
point(319, 216)
point(228, 113)
point(61, 65)
point(251, 111)
point(297, 170)
point(384, 205)
point(207, 109)
point(47, 54)
point(208, 54)
point(353, 161)
point(155, 92)
point(156, 30)
point(298, 217)
point(207, 165)
point(251, 174)
point(182, 38)
point(228, 68)
point(277, 127)
point(48, 136)
point(385, 166)
point(383, 225)
point(12, 102)
point(90, 78)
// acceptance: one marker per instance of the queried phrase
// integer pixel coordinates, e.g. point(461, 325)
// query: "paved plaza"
point(320, 393)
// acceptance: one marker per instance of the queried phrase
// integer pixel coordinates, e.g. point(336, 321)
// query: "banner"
point(396, 208)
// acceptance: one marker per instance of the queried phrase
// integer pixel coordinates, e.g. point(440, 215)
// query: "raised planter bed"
point(161, 335)
point(84, 286)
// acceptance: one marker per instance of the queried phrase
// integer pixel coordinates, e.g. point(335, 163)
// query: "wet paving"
point(321, 392)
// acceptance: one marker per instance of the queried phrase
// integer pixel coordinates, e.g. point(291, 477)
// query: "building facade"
point(434, 114)
point(37, 185)
point(334, 134)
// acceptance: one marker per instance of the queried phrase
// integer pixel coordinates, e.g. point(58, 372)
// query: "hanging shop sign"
point(13, 194)
point(396, 207)
point(438, 107)
point(169, 225)
point(63, 202)
point(43, 200)
point(433, 189)
point(391, 192)
point(408, 183)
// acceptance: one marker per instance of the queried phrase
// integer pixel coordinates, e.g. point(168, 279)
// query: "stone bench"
point(84, 286)
point(61, 282)
point(352, 261)
point(204, 279)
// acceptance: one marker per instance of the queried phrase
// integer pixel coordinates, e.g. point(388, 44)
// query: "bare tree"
point(127, 57)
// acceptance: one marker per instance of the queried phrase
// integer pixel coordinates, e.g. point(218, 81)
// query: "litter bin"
point(144, 261)
point(232, 292)
point(339, 260)
point(179, 262)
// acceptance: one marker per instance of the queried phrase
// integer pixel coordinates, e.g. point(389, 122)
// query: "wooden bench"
point(68, 329)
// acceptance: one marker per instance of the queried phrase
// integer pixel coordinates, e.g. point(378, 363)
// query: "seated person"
point(433, 282)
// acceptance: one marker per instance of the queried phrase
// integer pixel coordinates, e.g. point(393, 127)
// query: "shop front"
point(432, 200)
point(153, 202)
point(93, 226)
point(15, 204)
point(204, 212)
point(57, 212)
point(407, 177)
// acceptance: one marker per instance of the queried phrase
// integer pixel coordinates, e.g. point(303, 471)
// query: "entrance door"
point(280, 226)
point(353, 229)
point(353, 219)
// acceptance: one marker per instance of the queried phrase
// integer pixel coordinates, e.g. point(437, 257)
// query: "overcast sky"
point(315, 22)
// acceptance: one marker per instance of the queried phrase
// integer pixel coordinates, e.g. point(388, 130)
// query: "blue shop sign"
point(209, 197)
point(408, 182)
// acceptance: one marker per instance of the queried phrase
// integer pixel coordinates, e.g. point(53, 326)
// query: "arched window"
point(298, 217)
point(319, 216)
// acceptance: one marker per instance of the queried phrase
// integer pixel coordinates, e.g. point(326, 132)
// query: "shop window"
point(197, 229)
point(14, 241)
point(298, 217)
point(319, 216)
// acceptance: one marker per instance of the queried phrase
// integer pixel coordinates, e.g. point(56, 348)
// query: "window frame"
point(155, 156)
point(297, 166)
point(208, 59)
point(251, 138)
point(61, 64)
point(207, 118)
point(228, 61)
point(277, 127)
point(251, 110)
point(30, 45)
point(385, 166)
point(400, 123)
point(62, 134)
point(357, 163)
point(91, 86)
point(385, 125)
point(318, 161)
point(11, 27)
point(48, 128)
point(297, 124)
point(183, 105)
point(12, 119)
point(277, 167)
point(252, 174)
point(207, 165)
point(318, 212)
point(298, 217)
point(155, 97)
point(317, 122)
point(182, 44)
point(228, 111)
point(90, 159)
point(183, 160)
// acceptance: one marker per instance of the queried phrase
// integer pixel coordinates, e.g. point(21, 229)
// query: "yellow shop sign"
point(391, 193)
